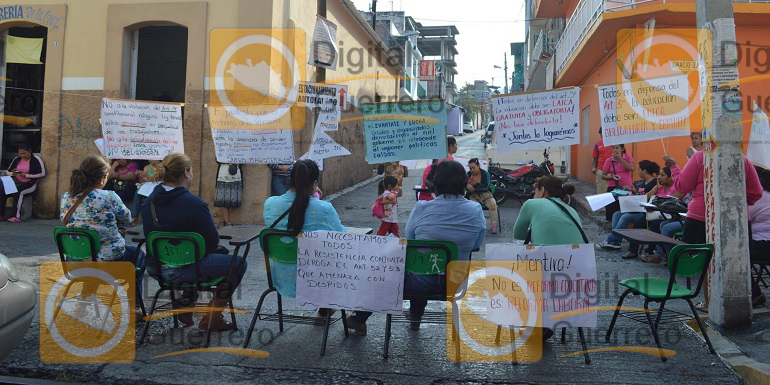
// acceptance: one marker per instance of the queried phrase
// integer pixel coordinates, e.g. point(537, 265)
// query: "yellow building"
point(158, 50)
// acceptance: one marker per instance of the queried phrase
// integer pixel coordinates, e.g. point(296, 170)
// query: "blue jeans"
point(415, 285)
point(137, 206)
point(212, 266)
point(279, 185)
point(621, 221)
point(668, 228)
point(128, 256)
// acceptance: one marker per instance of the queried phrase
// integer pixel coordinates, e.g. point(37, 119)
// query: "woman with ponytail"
point(178, 210)
point(297, 210)
point(86, 205)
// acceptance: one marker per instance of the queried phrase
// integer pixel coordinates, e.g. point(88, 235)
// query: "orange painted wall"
point(581, 155)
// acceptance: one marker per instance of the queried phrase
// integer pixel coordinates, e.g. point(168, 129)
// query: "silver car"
point(17, 307)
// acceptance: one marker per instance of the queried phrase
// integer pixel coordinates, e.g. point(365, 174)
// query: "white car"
point(468, 127)
point(17, 307)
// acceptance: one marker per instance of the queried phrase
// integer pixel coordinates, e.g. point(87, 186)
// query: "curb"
point(751, 371)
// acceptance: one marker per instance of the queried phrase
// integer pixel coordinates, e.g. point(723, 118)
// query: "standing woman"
point(692, 180)
point(229, 190)
point(86, 205)
point(26, 170)
point(548, 219)
point(617, 171)
point(697, 143)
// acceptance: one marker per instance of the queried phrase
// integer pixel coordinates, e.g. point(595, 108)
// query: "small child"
point(387, 190)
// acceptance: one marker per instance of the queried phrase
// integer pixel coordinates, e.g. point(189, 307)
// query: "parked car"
point(468, 127)
point(486, 137)
point(17, 307)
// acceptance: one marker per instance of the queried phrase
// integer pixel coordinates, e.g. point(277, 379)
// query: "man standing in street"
point(601, 153)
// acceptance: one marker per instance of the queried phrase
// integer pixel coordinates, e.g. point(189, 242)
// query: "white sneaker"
point(609, 246)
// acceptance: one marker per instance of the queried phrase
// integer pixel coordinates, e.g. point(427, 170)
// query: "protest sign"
point(350, 271)
point(100, 146)
point(319, 162)
point(568, 282)
point(759, 139)
point(625, 128)
point(632, 203)
point(404, 130)
point(483, 163)
point(323, 50)
point(329, 120)
point(537, 120)
point(141, 130)
point(253, 146)
point(325, 96)
point(323, 146)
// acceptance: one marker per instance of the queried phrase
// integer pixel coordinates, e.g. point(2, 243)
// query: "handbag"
point(378, 210)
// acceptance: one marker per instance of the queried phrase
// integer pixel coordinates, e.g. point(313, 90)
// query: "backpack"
point(378, 210)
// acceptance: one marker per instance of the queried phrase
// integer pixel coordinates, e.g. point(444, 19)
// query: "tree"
point(467, 101)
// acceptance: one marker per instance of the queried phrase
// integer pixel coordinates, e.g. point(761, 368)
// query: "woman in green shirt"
point(545, 217)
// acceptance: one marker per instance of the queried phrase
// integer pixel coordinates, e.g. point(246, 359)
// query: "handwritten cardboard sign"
point(625, 127)
point(568, 285)
point(405, 131)
point(537, 120)
point(141, 130)
point(350, 271)
point(253, 146)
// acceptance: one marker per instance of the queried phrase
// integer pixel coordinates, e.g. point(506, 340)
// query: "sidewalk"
point(745, 349)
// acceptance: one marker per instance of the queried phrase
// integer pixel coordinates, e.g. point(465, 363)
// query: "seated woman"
point(648, 171)
point(178, 210)
point(449, 217)
point(123, 177)
point(759, 214)
point(548, 220)
point(478, 191)
point(26, 170)
point(664, 189)
point(86, 205)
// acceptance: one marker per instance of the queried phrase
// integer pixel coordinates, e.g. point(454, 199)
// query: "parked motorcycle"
point(520, 182)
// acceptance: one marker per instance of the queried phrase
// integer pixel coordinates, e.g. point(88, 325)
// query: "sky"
point(486, 27)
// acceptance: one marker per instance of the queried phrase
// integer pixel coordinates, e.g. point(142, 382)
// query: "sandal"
point(14, 220)
point(702, 306)
point(650, 258)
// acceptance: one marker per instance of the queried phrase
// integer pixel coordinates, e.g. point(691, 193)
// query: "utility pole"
point(726, 213)
point(374, 15)
point(505, 60)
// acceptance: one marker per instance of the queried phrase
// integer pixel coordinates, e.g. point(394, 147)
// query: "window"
point(585, 125)
point(21, 97)
point(158, 68)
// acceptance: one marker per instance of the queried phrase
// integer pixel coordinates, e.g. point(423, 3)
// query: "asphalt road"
point(417, 357)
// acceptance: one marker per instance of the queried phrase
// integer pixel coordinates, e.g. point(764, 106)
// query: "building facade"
point(573, 43)
point(438, 43)
point(157, 50)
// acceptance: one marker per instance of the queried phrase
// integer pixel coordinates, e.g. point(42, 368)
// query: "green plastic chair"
point(427, 258)
point(280, 250)
point(80, 245)
point(684, 261)
point(176, 250)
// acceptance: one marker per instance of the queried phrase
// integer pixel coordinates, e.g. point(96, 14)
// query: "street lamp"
point(505, 60)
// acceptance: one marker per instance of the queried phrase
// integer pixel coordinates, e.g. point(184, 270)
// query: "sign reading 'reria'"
point(36, 15)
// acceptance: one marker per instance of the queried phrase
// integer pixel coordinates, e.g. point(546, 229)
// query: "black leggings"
point(611, 208)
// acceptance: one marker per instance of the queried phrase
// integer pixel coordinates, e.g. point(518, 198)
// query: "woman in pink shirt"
point(617, 171)
point(759, 215)
point(26, 169)
point(692, 180)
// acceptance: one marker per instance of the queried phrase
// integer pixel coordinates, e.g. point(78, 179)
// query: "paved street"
point(418, 357)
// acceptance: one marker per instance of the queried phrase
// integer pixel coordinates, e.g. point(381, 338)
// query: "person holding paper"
point(617, 170)
point(600, 155)
point(26, 169)
point(171, 207)
point(148, 175)
point(648, 171)
point(692, 180)
point(449, 217)
point(87, 206)
point(549, 220)
point(478, 191)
